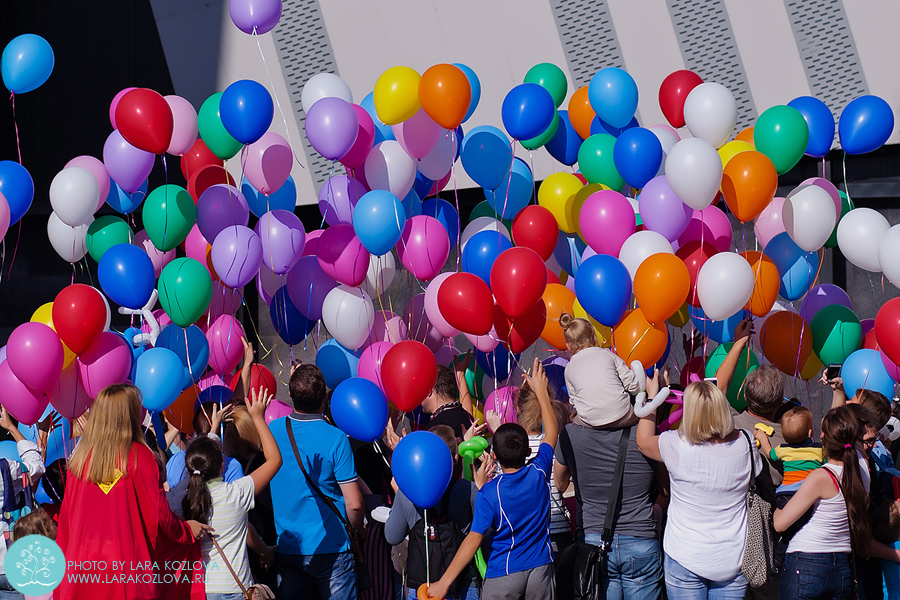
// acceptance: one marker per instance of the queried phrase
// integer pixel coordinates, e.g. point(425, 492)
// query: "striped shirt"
point(559, 522)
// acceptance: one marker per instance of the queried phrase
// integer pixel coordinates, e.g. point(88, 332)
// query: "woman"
point(709, 472)
point(817, 564)
point(115, 527)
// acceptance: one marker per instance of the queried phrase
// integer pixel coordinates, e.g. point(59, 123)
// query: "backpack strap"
point(616, 487)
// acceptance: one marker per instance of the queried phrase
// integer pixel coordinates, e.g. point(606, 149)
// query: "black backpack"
point(444, 539)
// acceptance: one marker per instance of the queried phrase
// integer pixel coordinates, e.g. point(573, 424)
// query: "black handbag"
point(582, 567)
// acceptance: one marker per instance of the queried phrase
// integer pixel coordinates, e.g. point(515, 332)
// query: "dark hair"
point(446, 433)
point(840, 432)
point(307, 388)
point(764, 390)
point(510, 445)
point(445, 386)
point(202, 414)
point(877, 403)
point(203, 460)
point(863, 415)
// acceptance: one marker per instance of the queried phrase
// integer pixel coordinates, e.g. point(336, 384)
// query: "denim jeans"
point(634, 567)
point(682, 584)
point(234, 596)
point(7, 591)
point(325, 576)
point(472, 593)
point(825, 575)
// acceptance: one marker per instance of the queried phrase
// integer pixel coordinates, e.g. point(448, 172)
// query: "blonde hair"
point(241, 437)
point(706, 413)
point(886, 522)
point(528, 410)
point(580, 334)
point(113, 426)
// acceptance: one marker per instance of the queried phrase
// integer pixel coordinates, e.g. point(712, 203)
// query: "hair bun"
point(566, 320)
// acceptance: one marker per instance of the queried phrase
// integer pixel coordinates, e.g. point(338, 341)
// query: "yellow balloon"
point(812, 368)
point(396, 95)
point(581, 197)
point(681, 317)
point(44, 314)
point(604, 333)
point(732, 149)
point(557, 194)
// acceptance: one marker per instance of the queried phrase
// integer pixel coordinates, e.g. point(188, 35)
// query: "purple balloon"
point(221, 206)
point(332, 127)
point(127, 165)
point(236, 255)
point(338, 198)
point(260, 14)
point(662, 210)
point(821, 296)
point(283, 237)
point(307, 286)
point(867, 325)
point(342, 256)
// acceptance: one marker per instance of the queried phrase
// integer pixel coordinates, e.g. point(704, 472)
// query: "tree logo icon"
point(35, 565)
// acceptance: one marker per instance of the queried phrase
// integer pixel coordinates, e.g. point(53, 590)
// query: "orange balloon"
point(765, 283)
point(181, 412)
point(749, 182)
point(635, 338)
point(445, 93)
point(746, 135)
point(786, 341)
point(422, 593)
point(661, 286)
point(557, 299)
point(581, 115)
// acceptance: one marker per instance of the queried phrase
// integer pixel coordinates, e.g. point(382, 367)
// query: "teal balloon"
point(836, 333)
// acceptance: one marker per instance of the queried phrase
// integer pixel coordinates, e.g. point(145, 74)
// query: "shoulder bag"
point(257, 591)
point(758, 565)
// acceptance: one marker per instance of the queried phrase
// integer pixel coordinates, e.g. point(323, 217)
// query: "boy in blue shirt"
point(516, 507)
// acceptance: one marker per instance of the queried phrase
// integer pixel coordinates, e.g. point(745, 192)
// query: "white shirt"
point(34, 466)
point(600, 385)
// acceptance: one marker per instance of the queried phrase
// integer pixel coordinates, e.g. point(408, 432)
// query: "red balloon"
point(518, 278)
point(198, 156)
point(260, 377)
point(673, 92)
point(552, 277)
point(695, 366)
point(207, 176)
point(520, 333)
point(145, 120)
point(409, 372)
point(79, 316)
point(887, 329)
point(870, 342)
point(694, 255)
point(466, 303)
point(535, 227)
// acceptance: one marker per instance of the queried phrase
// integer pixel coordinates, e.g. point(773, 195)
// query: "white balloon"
point(439, 160)
point(478, 225)
point(74, 195)
point(859, 236)
point(389, 168)
point(889, 255)
point(808, 216)
point(348, 315)
point(69, 242)
point(324, 85)
point(642, 410)
point(432, 311)
point(667, 136)
point(724, 285)
point(108, 311)
point(694, 171)
point(710, 113)
point(380, 274)
point(640, 246)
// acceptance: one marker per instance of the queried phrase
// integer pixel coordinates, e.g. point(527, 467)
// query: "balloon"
point(185, 290)
point(246, 110)
point(527, 111)
point(396, 95)
point(766, 283)
point(359, 408)
point(515, 193)
point(564, 144)
point(424, 247)
point(809, 216)
point(27, 63)
point(708, 225)
point(126, 275)
point(342, 256)
point(637, 155)
point(158, 376)
point(128, 166)
point(422, 466)
point(661, 286)
point(332, 127)
point(409, 372)
point(237, 253)
point(378, 221)
point(74, 195)
point(69, 397)
point(463, 290)
point(261, 378)
point(846, 206)
point(289, 322)
point(859, 236)
point(69, 242)
point(324, 85)
point(724, 285)
point(212, 130)
point(389, 167)
point(348, 315)
point(614, 96)
point(267, 165)
point(865, 124)
point(145, 120)
point(581, 114)
point(336, 362)
point(96, 168)
point(255, 16)
point(106, 363)
point(481, 251)
point(197, 157)
point(219, 207)
point(79, 316)
point(640, 246)
point(887, 329)
point(206, 177)
point(603, 287)
point(17, 187)
point(781, 133)
point(732, 149)
point(486, 156)
point(694, 171)
point(551, 78)
point(184, 129)
point(535, 228)
point(475, 89)
point(634, 338)
point(518, 277)
point(338, 197)
point(836, 333)
point(282, 237)
point(720, 332)
point(192, 348)
point(382, 132)
point(819, 122)
point(284, 198)
point(596, 161)
point(444, 212)
point(268, 282)
point(123, 202)
point(557, 299)
point(749, 182)
point(369, 366)
point(557, 194)
point(786, 341)
point(747, 361)
point(308, 285)
point(710, 113)
point(23, 403)
point(388, 327)
point(662, 210)
point(106, 232)
point(769, 222)
point(864, 370)
point(224, 342)
point(606, 221)
point(418, 134)
point(380, 275)
point(673, 93)
point(832, 191)
point(169, 214)
point(437, 163)
point(694, 255)
point(365, 139)
point(35, 355)
point(888, 250)
point(797, 268)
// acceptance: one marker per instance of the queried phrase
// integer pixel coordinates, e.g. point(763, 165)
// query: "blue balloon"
point(662, 361)
point(10, 451)
point(123, 202)
point(422, 467)
point(246, 110)
point(487, 156)
point(600, 126)
point(360, 409)
point(637, 156)
point(514, 193)
point(289, 322)
point(382, 132)
point(336, 362)
point(220, 394)
point(444, 212)
point(17, 187)
point(718, 331)
point(481, 251)
point(603, 287)
point(865, 124)
point(474, 84)
point(568, 251)
point(796, 267)
point(460, 136)
point(556, 377)
point(126, 275)
point(564, 144)
point(412, 205)
point(27, 63)
point(527, 111)
point(613, 95)
point(421, 187)
point(284, 198)
point(159, 375)
point(59, 443)
point(864, 369)
point(820, 123)
point(498, 363)
point(378, 220)
point(128, 336)
point(196, 347)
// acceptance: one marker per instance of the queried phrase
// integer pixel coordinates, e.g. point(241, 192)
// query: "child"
point(516, 506)
point(800, 455)
point(886, 529)
point(599, 383)
point(37, 522)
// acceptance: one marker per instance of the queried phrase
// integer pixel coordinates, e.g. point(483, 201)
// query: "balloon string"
point(12, 99)
point(846, 187)
point(12, 261)
point(455, 143)
point(512, 148)
point(162, 157)
point(256, 332)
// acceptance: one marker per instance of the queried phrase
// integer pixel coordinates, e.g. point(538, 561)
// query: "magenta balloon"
point(221, 206)
point(210, 380)
point(892, 369)
point(35, 355)
point(196, 247)
point(4, 215)
point(331, 127)
point(261, 15)
point(662, 210)
point(424, 247)
point(421, 329)
point(96, 168)
point(502, 401)
point(68, 395)
point(435, 317)
point(158, 258)
point(236, 255)
point(268, 163)
point(821, 296)
point(709, 225)
point(225, 347)
point(127, 165)
point(369, 366)
point(283, 237)
point(276, 410)
point(112, 108)
point(225, 301)
point(105, 363)
point(307, 285)
point(24, 404)
point(418, 134)
point(338, 198)
point(365, 139)
point(607, 220)
point(342, 256)
point(388, 327)
point(312, 242)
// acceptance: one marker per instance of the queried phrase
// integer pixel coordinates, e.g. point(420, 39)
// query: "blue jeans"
point(473, 593)
point(234, 596)
point(682, 584)
point(634, 567)
point(325, 576)
point(7, 591)
point(826, 575)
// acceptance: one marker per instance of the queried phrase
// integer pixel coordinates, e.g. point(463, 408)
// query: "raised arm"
point(647, 440)
point(256, 407)
point(838, 395)
point(725, 373)
point(538, 382)
point(459, 370)
point(241, 392)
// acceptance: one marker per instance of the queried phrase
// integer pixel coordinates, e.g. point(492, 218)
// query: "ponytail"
point(579, 333)
point(840, 432)
point(203, 460)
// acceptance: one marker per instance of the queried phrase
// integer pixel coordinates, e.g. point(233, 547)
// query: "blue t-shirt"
point(517, 507)
point(304, 523)
point(176, 471)
point(890, 576)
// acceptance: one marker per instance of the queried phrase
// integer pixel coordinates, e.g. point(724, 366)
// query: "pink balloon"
point(23, 403)
point(68, 395)
point(711, 225)
point(105, 363)
point(312, 242)
point(446, 354)
point(388, 327)
point(662, 210)
point(4, 215)
point(184, 132)
point(276, 410)
point(892, 369)
point(607, 220)
point(832, 191)
point(369, 366)
point(502, 401)
point(365, 139)
point(158, 258)
point(769, 222)
point(485, 343)
point(424, 247)
point(196, 247)
point(437, 163)
point(225, 347)
point(96, 168)
point(113, 105)
point(161, 317)
point(283, 237)
point(418, 134)
point(342, 256)
point(209, 381)
point(35, 355)
point(268, 163)
point(421, 328)
point(435, 317)
point(225, 300)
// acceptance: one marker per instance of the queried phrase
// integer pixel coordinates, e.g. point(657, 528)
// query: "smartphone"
point(833, 371)
point(712, 380)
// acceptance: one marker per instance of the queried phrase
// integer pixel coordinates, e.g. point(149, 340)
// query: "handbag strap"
point(329, 502)
point(230, 568)
point(616, 487)
point(752, 488)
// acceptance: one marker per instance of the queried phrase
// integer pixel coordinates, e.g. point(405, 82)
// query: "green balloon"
point(846, 206)
point(169, 214)
point(551, 78)
point(185, 290)
point(213, 133)
point(106, 232)
point(474, 375)
point(836, 333)
point(536, 142)
point(747, 361)
point(781, 133)
point(595, 159)
point(484, 209)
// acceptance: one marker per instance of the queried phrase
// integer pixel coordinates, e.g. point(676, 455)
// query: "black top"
point(454, 416)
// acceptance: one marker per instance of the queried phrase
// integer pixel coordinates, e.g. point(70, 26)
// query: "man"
point(449, 402)
point(314, 557)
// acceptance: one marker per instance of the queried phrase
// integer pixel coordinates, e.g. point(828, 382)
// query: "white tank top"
point(828, 530)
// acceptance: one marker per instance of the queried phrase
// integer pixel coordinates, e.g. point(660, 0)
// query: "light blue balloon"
point(378, 220)
point(382, 132)
point(336, 362)
point(613, 95)
point(486, 156)
point(123, 202)
point(721, 332)
point(159, 375)
point(796, 267)
point(27, 63)
point(520, 184)
point(474, 84)
point(284, 198)
point(864, 369)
